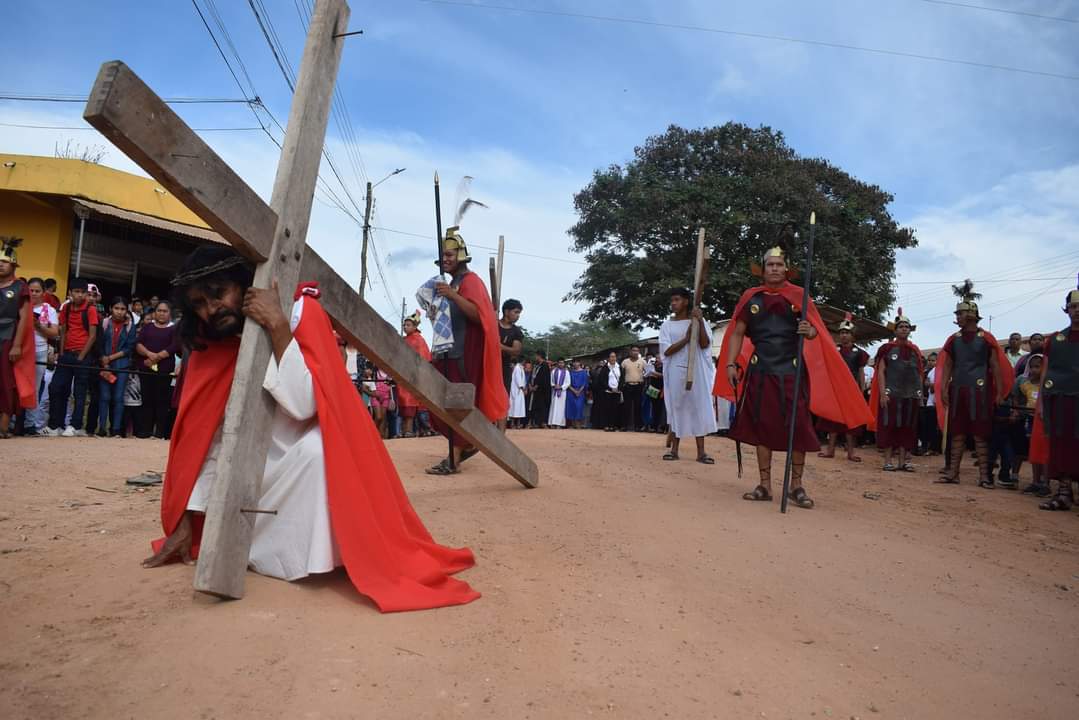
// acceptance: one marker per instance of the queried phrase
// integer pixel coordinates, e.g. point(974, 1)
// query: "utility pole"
point(366, 236)
point(402, 316)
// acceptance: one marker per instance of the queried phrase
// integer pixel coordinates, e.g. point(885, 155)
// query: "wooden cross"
point(141, 125)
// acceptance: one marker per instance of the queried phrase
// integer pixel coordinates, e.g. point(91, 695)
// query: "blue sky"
point(983, 163)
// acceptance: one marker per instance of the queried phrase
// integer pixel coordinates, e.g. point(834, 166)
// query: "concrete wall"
point(46, 232)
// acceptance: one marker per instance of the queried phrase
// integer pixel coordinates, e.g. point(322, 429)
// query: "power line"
point(752, 35)
point(937, 296)
point(83, 98)
point(487, 247)
point(1040, 293)
point(80, 127)
point(985, 8)
point(956, 282)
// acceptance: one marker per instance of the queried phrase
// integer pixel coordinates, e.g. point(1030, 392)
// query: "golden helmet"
point(454, 241)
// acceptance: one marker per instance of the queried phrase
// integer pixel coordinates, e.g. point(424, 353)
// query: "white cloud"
point(1016, 236)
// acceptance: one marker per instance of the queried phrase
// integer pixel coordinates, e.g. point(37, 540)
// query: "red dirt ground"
point(623, 587)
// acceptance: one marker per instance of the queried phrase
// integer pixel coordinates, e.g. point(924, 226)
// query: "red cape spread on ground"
point(874, 390)
point(417, 343)
point(388, 553)
point(833, 394)
point(1005, 376)
point(26, 368)
point(491, 399)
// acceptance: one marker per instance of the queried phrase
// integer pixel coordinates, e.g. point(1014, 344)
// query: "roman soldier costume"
point(1059, 397)
point(903, 367)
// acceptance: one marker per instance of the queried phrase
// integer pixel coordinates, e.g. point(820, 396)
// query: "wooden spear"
point(799, 359)
point(695, 329)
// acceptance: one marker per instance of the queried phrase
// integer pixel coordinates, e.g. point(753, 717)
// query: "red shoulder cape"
point(833, 394)
point(874, 390)
point(491, 399)
point(1002, 383)
point(388, 553)
point(417, 343)
point(26, 368)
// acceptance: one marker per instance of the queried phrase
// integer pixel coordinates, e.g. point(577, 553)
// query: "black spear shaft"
point(438, 257)
point(801, 366)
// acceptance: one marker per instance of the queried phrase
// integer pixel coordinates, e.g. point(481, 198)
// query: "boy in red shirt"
point(78, 333)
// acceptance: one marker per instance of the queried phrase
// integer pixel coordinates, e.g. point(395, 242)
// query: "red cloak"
point(25, 368)
point(417, 343)
point(874, 390)
point(388, 553)
point(1002, 383)
point(491, 397)
point(833, 394)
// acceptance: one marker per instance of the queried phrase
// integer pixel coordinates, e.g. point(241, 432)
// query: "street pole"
point(402, 316)
point(366, 236)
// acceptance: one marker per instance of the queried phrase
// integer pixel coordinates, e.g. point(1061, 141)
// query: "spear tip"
point(436, 177)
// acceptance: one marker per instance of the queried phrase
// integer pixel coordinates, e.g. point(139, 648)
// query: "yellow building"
point(123, 232)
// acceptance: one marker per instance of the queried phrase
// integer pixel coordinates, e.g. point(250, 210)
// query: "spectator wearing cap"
point(78, 333)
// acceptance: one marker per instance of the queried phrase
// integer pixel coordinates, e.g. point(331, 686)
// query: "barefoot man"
point(856, 359)
point(762, 344)
point(328, 477)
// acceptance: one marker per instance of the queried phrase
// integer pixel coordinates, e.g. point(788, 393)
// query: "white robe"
point(690, 414)
point(298, 541)
point(517, 392)
point(557, 415)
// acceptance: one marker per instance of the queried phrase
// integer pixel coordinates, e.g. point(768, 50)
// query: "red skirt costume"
point(769, 363)
point(1060, 404)
point(481, 363)
point(17, 387)
point(897, 422)
point(856, 359)
point(974, 387)
point(407, 403)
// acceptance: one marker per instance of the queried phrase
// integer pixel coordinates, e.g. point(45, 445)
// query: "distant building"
point(125, 233)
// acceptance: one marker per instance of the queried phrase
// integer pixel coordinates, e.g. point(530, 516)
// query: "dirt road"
point(623, 587)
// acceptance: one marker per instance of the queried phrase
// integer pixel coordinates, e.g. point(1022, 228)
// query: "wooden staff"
point(445, 357)
point(800, 361)
point(695, 329)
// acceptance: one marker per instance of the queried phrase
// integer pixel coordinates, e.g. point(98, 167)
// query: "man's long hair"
point(207, 265)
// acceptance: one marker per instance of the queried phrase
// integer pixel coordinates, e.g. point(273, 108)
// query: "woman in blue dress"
point(579, 381)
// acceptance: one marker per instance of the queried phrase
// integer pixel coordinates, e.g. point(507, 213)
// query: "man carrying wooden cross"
point(330, 495)
point(476, 354)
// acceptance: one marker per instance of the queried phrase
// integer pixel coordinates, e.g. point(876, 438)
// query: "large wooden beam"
point(126, 111)
point(360, 324)
point(363, 328)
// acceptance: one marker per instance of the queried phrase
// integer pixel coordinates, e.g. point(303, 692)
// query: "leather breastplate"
point(775, 340)
point(970, 361)
point(853, 360)
point(902, 376)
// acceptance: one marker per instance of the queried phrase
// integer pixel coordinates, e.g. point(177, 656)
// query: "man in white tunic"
point(334, 493)
point(518, 383)
point(559, 386)
point(689, 413)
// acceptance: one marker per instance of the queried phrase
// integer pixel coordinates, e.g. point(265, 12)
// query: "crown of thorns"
point(186, 278)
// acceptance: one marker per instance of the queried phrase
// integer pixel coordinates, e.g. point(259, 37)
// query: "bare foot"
point(179, 542)
point(826, 454)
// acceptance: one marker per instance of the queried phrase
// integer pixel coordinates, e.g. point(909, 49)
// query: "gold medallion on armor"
point(981, 333)
point(753, 360)
point(795, 362)
point(1048, 384)
point(1060, 336)
point(894, 357)
point(981, 381)
point(9, 294)
point(754, 308)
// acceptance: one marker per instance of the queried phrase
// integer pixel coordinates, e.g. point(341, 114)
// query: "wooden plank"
point(245, 436)
point(460, 399)
point(364, 329)
point(126, 111)
point(695, 329)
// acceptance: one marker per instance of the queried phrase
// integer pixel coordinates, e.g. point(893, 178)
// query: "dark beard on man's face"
point(223, 324)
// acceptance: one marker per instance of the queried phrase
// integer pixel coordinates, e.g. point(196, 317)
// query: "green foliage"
point(638, 225)
point(577, 338)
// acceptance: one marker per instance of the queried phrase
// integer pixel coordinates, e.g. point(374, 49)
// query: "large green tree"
point(577, 338)
point(638, 225)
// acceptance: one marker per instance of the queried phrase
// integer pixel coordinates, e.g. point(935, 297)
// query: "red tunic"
point(833, 394)
point(405, 399)
point(17, 386)
point(1062, 428)
point(971, 413)
point(897, 426)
